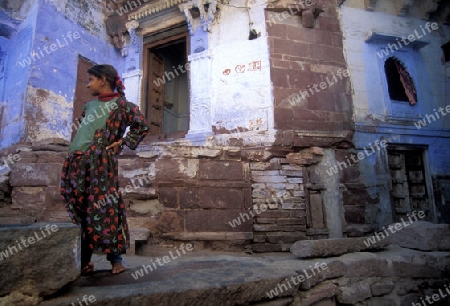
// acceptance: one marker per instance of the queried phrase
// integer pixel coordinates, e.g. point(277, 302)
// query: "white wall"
point(240, 100)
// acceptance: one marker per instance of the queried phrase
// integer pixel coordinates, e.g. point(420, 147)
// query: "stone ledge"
point(423, 236)
point(139, 234)
point(335, 247)
point(209, 236)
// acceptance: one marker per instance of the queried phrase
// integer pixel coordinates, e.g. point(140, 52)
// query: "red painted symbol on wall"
point(240, 68)
point(226, 72)
point(254, 66)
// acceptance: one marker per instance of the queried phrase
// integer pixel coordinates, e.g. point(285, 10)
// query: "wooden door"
point(155, 93)
point(409, 189)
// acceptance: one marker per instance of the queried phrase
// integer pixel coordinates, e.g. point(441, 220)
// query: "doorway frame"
point(426, 169)
point(146, 53)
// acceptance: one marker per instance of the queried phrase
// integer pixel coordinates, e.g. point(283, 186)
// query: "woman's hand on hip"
point(116, 146)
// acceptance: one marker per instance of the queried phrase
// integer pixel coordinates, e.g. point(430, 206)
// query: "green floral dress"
point(90, 185)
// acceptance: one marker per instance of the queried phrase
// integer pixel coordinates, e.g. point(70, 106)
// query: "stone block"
point(293, 204)
point(366, 266)
point(137, 234)
point(291, 221)
point(278, 228)
point(293, 168)
point(143, 192)
point(295, 180)
point(261, 166)
point(28, 157)
point(407, 285)
point(168, 196)
point(175, 169)
point(209, 236)
point(422, 235)
point(316, 207)
point(320, 292)
point(266, 220)
point(292, 173)
point(285, 237)
point(381, 301)
point(354, 293)
point(210, 197)
point(403, 267)
point(278, 302)
point(51, 157)
point(215, 220)
point(382, 287)
point(51, 144)
point(305, 157)
point(30, 200)
point(267, 172)
point(333, 269)
point(334, 247)
point(294, 33)
point(266, 247)
point(308, 19)
point(221, 170)
point(31, 254)
point(325, 302)
point(275, 214)
point(259, 238)
point(269, 179)
point(152, 207)
point(171, 221)
point(17, 220)
point(35, 175)
point(256, 155)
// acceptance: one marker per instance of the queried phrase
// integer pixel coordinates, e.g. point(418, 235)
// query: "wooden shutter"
point(155, 93)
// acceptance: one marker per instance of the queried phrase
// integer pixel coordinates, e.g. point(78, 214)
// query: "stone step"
point(137, 234)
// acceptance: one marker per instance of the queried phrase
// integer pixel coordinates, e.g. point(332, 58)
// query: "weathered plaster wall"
point(53, 77)
point(41, 67)
point(240, 80)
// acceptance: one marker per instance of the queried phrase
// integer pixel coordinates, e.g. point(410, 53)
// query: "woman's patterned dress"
point(90, 186)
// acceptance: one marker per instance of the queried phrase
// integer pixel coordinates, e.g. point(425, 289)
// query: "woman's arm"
point(137, 123)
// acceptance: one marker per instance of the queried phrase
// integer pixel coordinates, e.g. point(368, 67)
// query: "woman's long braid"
point(120, 87)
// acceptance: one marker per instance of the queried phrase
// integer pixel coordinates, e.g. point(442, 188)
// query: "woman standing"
point(89, 178)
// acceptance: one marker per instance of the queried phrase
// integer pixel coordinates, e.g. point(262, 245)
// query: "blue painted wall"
point(17, 47)
point(53, 68)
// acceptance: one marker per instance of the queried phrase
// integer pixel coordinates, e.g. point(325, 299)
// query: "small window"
point(400, 83)
point(446, 49)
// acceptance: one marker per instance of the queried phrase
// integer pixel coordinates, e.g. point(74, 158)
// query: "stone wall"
point(33, 183)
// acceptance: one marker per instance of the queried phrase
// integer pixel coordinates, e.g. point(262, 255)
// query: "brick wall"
point(308, 59)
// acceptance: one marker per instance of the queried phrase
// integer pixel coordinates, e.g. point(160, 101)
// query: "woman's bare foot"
point(117, 268)
point(87, 269)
